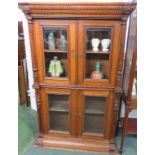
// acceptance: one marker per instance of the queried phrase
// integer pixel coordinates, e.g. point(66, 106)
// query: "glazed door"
point(98, 49)
point(55, 51)
point(94, 109)
point(58, 112)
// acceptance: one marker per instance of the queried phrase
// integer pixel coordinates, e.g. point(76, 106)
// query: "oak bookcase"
point(77, 110)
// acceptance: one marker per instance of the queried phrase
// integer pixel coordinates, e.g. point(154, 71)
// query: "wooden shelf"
point(58, 109)
point(94, 112)
point(54, 51)
point(60, 128)
point(99, 52)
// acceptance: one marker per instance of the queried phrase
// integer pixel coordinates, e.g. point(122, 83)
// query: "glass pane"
point(58, 112)
point(94, 124)
point(94, 114)
point(98, 47)
point(55, 39)
point(59, 121)
point(55, 51)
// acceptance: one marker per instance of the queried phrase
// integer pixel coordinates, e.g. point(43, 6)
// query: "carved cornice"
point(35, 9)
point(77, 6)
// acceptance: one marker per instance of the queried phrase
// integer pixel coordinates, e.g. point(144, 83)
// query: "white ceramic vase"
point(95, 43)
point(105, 44)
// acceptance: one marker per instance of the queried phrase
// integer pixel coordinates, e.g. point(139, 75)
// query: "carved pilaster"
point(119, 76)
point(36, 80)
point(36, 85)
point(116, 105)
point(121, 55)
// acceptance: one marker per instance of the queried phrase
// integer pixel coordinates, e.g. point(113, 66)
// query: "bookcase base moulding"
point(77, 59)
point(77, 144)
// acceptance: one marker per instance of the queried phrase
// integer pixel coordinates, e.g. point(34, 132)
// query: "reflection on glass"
point(55, 39)
point(98, 47)
point(55, 51)
point(94, 124)
point(58, 112)
point(59, 121)
point(94, 114)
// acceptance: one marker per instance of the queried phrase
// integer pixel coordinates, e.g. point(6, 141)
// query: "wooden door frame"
point(44, 110)
point(114, 57)
point(38, 31)
point(108, 113)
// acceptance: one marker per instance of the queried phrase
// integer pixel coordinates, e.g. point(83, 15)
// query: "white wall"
point(31, 91)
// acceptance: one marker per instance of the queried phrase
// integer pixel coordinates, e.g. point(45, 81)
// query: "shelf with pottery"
point(100, 45)
point(98, 52)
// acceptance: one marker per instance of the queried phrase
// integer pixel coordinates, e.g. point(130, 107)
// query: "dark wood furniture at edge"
point(22, 68)
point(129, 97)
point(76, 89)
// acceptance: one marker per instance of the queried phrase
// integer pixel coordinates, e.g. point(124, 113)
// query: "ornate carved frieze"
point(126, 7)
point(76, 8)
